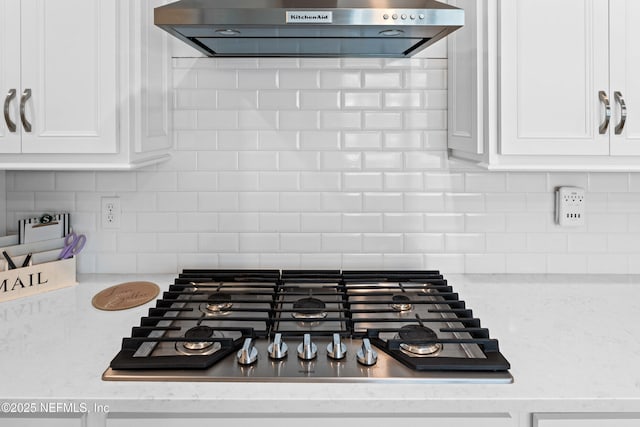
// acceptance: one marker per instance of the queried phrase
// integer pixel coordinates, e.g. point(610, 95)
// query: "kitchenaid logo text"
point(21, 283)
point(309, 17)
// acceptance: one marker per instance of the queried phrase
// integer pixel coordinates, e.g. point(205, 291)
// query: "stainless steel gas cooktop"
point(310, 326)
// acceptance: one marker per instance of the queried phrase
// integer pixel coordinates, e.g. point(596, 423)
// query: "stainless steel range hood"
point(312, 28)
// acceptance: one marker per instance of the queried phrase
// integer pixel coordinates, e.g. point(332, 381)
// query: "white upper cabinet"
point(92, 83)
point(546, 82)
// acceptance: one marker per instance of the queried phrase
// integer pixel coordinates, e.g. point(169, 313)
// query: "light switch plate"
point(570, 206)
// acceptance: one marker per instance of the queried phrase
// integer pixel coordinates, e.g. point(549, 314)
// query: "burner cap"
point(198, 334)
point(309, 308)
point(222, 302)
point(401, 302)
point(417, 333)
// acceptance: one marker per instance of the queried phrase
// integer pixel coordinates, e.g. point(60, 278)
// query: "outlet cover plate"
point(111, 212)
point(570, 206)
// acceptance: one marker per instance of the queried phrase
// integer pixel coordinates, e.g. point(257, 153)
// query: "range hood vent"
point(313, 28)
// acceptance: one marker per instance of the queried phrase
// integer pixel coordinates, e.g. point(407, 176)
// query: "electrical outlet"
point(111, 212)
point(570, 202)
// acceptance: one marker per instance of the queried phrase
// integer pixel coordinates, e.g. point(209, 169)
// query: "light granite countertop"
point(573, 343)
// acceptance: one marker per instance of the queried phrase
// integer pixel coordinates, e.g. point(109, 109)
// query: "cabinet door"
point(586, 420)
point(625, 69)
point(9, 75)
point(466, 79)
point(554, 61)
point(69, 64)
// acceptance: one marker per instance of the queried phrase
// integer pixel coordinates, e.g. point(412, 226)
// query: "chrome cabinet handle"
point(23, 101)
point(607, 111)
point(623, 112)
point(7, 101)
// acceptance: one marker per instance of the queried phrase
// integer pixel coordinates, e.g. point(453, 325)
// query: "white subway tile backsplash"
point(114, 181)
point(341, 242)
point(193, 181)
point(299, 161)
point(300, 202)
point(201, 222)
point(341, 202)
point(277, 140)
point(525, 263)
point(217, 79)
point(320, 140)
point(403, 222)
point(258, 160)
point(362, 222)
point(337, 79)
point(329, 163)
point(280, 222)
point(343, 120)
point(177, 201)
point(320, 181)
point(423, 202)
point(157, 222)
point(259, 201)
point(362, 100)
point(403, 140)
point(259, 242)
point(235, 100)
point(465, 242)
point(75, 181)
point(299, 79)
point(486, 182)
point(382, 79)
point(300, 242)
point(299, 120)
point(383, 202)
point(239, 222)
point(366, 140)
point(321, 222)
point(237, 140)
point(527, 222)
point(238, 181)
point(257, 79)
point(485, 263)
point(276, 100)
point(55, 201)
point(217, 119)
point(217, 201)
point(608, 183)
point(444, 222)
point(382, 160)
point(403, 181)
point(258, 119)
point(407, 100)
point(278, 181)
point(161, 181)
point(136, 243)
point(424, 242)
point(320, 100)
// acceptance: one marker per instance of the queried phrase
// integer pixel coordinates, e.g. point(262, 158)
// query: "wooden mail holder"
point(36, 279)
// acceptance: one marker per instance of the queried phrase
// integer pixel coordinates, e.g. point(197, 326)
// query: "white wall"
point(330, 164)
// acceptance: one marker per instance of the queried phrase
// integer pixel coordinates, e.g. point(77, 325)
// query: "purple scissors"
point(73, 244)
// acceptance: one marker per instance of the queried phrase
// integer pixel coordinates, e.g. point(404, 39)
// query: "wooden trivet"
point(125, 295)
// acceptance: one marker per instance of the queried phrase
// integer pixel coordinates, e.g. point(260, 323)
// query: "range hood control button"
point(395, 16)
point(385, 16)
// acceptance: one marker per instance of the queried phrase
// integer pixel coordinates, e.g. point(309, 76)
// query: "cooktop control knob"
point(278, 349)
point(336, 349)
point(248, 354)
point(366, 355)
point(307, 350)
